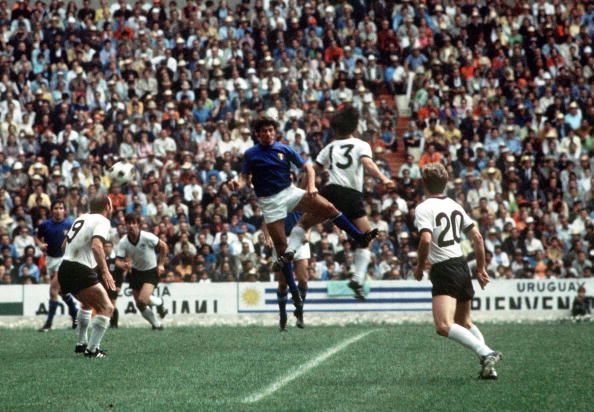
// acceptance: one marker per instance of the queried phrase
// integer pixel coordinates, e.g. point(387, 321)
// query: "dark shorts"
point(452, 277)
point(74, 277)
point(348, 201)
point(137, 278)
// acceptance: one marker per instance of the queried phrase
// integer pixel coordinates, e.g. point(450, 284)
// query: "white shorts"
point(304, 252)
point(276, 207)
point(52, 264)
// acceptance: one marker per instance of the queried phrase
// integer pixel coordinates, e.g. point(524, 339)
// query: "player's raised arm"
point(479, 251)
point(372, 169)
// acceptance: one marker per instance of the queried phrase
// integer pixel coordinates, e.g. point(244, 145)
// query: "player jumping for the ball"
point(267, 165)
point(440, 222)
point(345, 159)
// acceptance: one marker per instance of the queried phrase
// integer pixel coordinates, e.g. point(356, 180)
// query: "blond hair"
point(435, 177)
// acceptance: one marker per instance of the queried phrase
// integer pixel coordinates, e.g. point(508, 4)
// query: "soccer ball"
point(122, 173)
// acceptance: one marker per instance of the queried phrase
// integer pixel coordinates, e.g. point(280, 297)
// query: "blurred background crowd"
point(499, 91)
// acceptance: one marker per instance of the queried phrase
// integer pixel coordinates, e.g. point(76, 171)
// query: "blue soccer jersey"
point(53, 233)
point(270, 167)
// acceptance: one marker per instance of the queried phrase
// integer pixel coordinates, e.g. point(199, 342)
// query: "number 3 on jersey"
point(450, 223)
point(76, 227)
point(346, 152)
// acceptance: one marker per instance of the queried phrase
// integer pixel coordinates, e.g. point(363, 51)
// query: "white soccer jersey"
point(446, 220)
point(142, 253)
point(80, 235)
point(342, 159)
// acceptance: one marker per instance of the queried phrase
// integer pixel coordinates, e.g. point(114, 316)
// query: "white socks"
point(464, 337)
point(149, 315)
point(295, 238)
point(362, 257)
point(155, 301)
point(477, 333)
point(83, 319)
point(99, 326)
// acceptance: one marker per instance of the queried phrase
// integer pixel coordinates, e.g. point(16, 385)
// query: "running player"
point(118, 278)
point(267, 165)
point(137, 255)
point(301, 259)
point(440, 222)
point(77, 275)
point(50, 236)
point(345, 159)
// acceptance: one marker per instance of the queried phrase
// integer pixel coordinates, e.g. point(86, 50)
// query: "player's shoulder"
point(251, 151)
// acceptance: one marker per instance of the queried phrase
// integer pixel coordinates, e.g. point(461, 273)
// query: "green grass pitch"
point(398, 367)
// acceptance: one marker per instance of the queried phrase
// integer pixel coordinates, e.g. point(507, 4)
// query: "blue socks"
point(282, 302)
point(303, 291)
point(72, 309)
point(288, 273)
point(53, 306)
point(345, 224)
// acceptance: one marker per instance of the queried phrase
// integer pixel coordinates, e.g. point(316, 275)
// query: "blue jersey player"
point(267, 166)
point(50, 236)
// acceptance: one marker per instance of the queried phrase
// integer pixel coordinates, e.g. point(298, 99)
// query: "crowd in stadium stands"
point(500, 93)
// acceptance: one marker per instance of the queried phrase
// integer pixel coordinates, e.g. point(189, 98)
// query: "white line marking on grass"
point(269, 390)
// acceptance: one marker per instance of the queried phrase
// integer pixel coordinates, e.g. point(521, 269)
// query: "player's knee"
point(465, 323)
point(330, 210)
point(442, 329)
point(109, 308)
point(280, 247)
point(142, 304)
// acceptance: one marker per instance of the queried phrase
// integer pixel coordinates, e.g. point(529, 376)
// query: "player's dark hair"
point(132, 218)
point(58, 202)
point(263, 122)
point(98, 203)
point(345, 122)
point(435, 177)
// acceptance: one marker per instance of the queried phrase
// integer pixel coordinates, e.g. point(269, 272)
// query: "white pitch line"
point(269, 390)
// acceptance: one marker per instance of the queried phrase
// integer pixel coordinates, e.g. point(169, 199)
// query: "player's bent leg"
point(444, 310)
point(143, 300)
point(462, 318)
point(319, 209)
point(96, 297)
